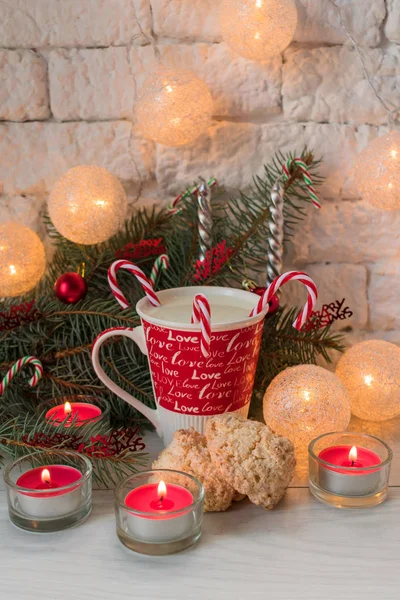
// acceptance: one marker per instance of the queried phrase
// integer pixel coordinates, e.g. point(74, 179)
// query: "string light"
point(22, 259)
point(87, 205)
point(174, 107)
point(370, 372)
point(377, 166)
point(306, 401)
point(258, 29)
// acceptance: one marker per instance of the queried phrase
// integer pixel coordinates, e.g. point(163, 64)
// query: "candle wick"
point(352, 463)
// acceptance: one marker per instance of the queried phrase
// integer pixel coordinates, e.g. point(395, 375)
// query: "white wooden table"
point(302, 550)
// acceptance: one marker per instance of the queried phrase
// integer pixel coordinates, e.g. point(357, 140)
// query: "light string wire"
point(391, 112)
point(150, 40)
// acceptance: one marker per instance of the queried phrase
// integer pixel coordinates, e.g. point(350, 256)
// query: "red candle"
point(356, 479)
point(350, 456)
point(49, 478)
point(159, 499)
point(57, 501)
point(167, 516)
point(82, 412)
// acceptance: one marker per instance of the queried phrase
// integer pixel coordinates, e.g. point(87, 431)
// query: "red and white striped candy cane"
point(140, 276)
point(202, 314)
point(278, 283)
point(26, 360)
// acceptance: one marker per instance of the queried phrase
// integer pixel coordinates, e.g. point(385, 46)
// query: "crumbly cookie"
point(188, 452)
point(250, 457)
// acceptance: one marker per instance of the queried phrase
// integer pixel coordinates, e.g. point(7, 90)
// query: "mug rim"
point(144, 304)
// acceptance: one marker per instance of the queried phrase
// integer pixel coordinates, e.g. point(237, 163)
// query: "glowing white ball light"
point(87, 205)
point(174, 107)
point(378, 172)
point(370, 371)
point(258, 29)
point(22, 259)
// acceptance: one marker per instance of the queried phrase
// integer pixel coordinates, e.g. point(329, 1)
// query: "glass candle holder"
point(159, 512)
point(349, 470)
point(49, 491)
point(76, 411)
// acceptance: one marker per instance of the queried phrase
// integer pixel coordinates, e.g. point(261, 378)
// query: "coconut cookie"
point(252, 459)
point(188, 452)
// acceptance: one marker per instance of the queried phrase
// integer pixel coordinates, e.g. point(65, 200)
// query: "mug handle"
point(137, 335)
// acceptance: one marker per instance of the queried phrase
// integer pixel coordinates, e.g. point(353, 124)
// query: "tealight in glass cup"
point(55, 508)
point(359, 483)
point(166, 531)
point(99, 414)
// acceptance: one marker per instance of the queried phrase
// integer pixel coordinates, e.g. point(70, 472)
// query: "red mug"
point(187, 387)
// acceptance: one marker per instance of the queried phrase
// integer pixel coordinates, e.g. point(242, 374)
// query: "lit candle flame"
point(353, 454)
point(368, 379)
point(13, 270)
point(306, 395)
point(45, 476)
point(162, 490)
point(67, 408)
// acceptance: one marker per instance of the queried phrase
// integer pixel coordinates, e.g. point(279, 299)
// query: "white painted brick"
point(235, 152)
point(37, 23)
point(34, 155)
point(392, 26)
point(334, 282)
point(98, 81)
point(328, 84)
point(347, 232)
point(23, 86)
point(100, 85)
point(318, 22)
point(384, 294)
point(24, 209)
point(185, 20)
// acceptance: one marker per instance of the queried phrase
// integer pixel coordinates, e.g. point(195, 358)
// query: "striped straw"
point(202, 314)
point(140, 276)
point(26, 360)
point(160, 264)
point(172, 206)
point(306, 176)
point(278, 283)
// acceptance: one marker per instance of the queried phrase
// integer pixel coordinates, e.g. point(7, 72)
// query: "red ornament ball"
point(70, 288)
point(273, 303)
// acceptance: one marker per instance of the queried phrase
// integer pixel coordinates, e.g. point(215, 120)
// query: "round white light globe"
point(378, 172)
point(258, 29)
point(304, 402)
point(22, 259)
point(370, 372)
point(87, 205)
point(174, 107)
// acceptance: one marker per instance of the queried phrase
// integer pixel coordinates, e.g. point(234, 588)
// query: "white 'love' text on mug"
point(187, 387)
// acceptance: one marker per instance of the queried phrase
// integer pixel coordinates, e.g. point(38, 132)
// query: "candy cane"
point(172, 206)
point(161, 263)
point(306, 176)
point(279, 282)
point(26, 360)
point(202, 314)
point(140, 276)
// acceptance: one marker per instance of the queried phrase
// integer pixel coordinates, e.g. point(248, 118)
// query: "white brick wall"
point(67, 97)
